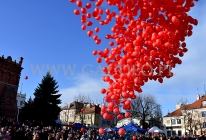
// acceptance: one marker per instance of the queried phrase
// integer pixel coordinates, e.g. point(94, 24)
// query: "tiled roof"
point(64, 108)
point(196, 105)
point(88, 108)
point(92, 109)
point(76, 105)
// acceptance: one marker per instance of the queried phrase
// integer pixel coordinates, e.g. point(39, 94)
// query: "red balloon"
point(84, 10)
point(99, 60)
point(106, 116)
point(84, 27)
point(134, 137)
point(90, 33)
point(82, 129)
point(89, 23)
point(98, 41)
point(76, 12)
point(94, 52)
point(119, 117)
point(72, 0)
point(88, 5)
point(116, 111)
point(79, 3)
point(103, 109)
point(121, 131)
point(175, 20)
point(127, 102)
point(26, 77)
point(101, 131)
point(98, 17)
point(95, 37)
point(89, 15)
point(103, 91)
point(97, 29)
point(111, 43)
point(127, 114)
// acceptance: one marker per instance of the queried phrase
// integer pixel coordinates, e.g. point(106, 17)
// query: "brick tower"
point(10, 72)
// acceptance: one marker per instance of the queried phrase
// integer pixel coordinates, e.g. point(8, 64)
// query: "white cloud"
point(85, 85)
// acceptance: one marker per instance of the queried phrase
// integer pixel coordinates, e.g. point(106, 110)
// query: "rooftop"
point(195, 105)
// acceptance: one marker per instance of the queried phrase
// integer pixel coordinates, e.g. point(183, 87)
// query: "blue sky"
point(47, 34)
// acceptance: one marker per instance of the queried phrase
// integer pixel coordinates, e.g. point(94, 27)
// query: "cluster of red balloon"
point(147, 40)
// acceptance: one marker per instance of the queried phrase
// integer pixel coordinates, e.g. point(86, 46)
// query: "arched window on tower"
point(21, 103)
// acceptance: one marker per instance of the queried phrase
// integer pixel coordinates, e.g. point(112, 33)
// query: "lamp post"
point(17, 113)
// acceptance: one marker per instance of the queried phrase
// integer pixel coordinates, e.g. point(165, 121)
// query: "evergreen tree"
point(46, 101)
point(27, 111)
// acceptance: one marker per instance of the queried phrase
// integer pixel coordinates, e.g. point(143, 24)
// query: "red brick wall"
point(9, 82)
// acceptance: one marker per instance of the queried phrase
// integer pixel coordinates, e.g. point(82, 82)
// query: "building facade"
point(187, 119)
point(90, 116)
point(20, 99)
point(73, 113)
point(10, 72)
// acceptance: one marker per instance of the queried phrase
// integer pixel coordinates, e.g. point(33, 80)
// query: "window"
point(179, 133)
point(174, 133)
point(70, 115)
point(178, 121)
point(173, 121)
point(204, 103)
point(168, 133)
point(89, 117)
point(168, 121)
point(204, 124)
point(21, 103)
point(204, 114)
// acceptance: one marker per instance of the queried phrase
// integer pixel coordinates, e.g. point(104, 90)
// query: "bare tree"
point(157, 112)
point(83, 98)
point(189, 114)
point(198, 121)
point(145, 105)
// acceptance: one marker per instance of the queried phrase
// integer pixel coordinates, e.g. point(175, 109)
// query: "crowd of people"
point(12, 130)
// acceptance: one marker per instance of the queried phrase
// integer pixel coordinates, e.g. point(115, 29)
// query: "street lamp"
point(17, 113)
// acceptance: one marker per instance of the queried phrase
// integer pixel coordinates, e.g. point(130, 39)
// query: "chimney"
point(197, 97)
point(178, 106)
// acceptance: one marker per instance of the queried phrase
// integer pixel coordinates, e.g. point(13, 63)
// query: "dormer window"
point(204, 103)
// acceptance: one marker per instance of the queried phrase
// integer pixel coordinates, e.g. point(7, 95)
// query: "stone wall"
point(10, 72)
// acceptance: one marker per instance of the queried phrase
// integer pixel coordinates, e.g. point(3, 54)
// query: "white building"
point(189, 119)
point(21, 98)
